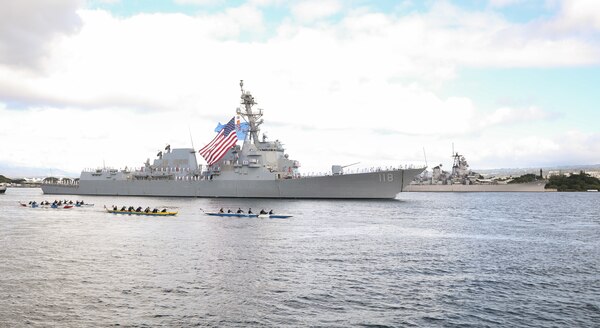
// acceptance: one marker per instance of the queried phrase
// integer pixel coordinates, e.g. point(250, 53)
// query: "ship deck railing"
point(63, 184)
point(142, 169)
point(363, 170)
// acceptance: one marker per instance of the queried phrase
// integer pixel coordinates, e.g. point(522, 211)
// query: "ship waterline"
point(536, 186)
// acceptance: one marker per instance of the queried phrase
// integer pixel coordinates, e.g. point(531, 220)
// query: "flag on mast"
point(223, 141)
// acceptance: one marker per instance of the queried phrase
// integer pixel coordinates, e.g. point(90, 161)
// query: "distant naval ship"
point(462, 179)
point(257, 169)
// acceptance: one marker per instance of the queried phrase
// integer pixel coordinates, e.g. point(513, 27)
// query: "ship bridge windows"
point(253, 162)
point(181, 162)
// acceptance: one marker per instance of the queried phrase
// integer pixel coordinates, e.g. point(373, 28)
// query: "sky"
point(109, 83)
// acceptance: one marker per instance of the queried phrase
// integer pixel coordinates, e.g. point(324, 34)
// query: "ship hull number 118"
point(386, 177)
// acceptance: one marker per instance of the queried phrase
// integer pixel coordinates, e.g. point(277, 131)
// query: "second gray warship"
point(462, 179)
point(257, 169)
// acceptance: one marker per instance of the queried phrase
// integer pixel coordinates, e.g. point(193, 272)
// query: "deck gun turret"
point(339, 169)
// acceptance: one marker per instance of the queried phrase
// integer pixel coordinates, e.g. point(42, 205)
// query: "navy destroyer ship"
point(256, 169)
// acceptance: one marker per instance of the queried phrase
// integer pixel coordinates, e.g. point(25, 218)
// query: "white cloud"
point(312, 10)
point(364, 88)
point(583, 14)
point(503, 3)
point(511, 116)
point(528, 150)
point(198, 2)
point(72, 139)
point(27, 28)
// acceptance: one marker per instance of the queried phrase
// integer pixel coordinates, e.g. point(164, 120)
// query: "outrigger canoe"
point(245, 215)
point(38, 205)
point(142, 213)
point(83, 205)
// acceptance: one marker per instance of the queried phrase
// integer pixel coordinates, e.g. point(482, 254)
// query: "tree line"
point(4, 179)
point(573, 182)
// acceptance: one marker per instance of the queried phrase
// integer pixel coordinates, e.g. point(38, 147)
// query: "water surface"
point(426, 259)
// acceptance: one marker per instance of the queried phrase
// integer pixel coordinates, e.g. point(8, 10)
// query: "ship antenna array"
point(249, 115)
point(191, 139)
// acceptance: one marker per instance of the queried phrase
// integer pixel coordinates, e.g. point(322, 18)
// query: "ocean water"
point(423, 260)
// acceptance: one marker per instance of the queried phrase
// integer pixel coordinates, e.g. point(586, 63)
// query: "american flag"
point(216, 149)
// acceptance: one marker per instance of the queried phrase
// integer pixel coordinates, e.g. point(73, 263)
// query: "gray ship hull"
point(516, 187)
point(373, 185)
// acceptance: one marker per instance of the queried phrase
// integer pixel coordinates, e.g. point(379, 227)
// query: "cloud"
point(312, 10)
point(512, 116)
point(580, 14)
point(565, 148)
point(28, 27)
point(121, 62)
point(198, 2)
point(363, 87)
point(71, 139)
point(503, 3)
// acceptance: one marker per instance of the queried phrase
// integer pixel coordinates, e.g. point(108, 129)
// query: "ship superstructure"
point(257, 168)
point(257, 158)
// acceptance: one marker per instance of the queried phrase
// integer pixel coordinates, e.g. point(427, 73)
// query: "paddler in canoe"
point(139, 211)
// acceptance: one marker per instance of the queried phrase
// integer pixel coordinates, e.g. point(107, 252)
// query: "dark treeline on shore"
point(4, 179)
point(573, 182)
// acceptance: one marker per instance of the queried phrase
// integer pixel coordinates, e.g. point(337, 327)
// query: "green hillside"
point(574, 182)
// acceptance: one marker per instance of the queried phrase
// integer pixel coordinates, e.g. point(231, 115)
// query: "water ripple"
point(460, 260)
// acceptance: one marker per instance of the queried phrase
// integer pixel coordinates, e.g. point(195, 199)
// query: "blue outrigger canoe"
point(245, 215)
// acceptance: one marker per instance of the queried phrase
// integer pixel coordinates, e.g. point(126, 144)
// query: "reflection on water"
point(440, 259)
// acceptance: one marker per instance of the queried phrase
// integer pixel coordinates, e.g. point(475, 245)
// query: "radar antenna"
point(191, 139)
point(253, 117)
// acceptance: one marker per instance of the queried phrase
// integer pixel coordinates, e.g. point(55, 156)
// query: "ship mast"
point(249, 115)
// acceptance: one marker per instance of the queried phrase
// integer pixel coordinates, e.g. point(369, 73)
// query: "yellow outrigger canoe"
point(141, 213)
